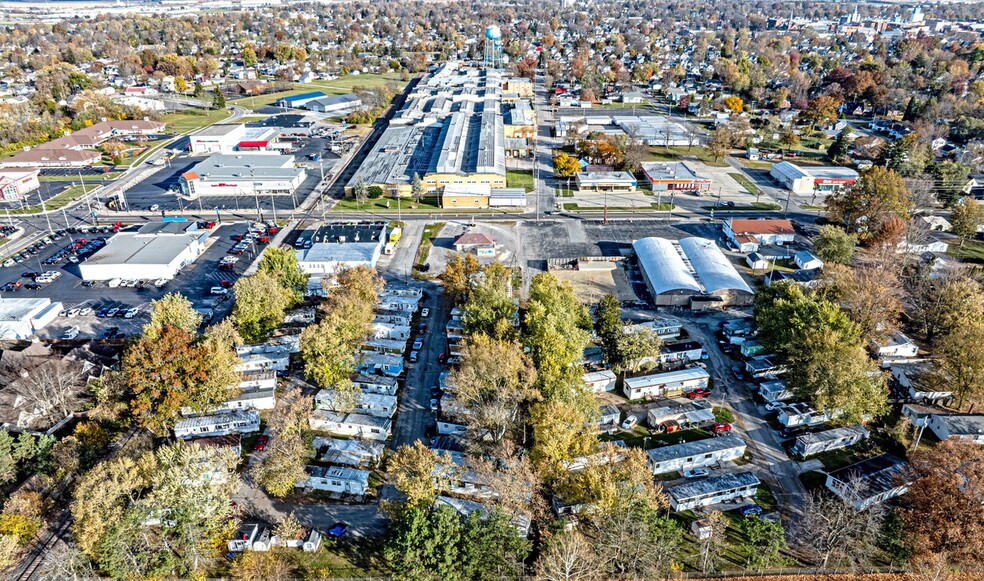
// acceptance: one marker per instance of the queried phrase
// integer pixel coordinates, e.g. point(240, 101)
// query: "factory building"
point(262, 173)
point(690, 272)
point(449, 132)
point(807, 181)
point(152, 251)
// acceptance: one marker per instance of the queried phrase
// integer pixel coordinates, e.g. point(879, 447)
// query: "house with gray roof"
point(697, 454)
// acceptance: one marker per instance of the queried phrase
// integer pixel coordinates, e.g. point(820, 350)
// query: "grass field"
point(252, 118)
point(516, 178)
point(380, 205)
point(56, 203)
point(336, 87)
point(662, 207)
point(675, 153)
point(972, 251)
point(90, 178)
point(746, 183)
point(188, 120)
point(430, 232)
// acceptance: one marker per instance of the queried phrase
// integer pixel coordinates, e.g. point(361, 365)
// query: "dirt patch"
point(591, 285)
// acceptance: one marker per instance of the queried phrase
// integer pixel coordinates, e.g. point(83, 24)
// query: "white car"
point(9, 262)
point(85, 311)
point(71, 333)
point(696, 473)
point(774, 406)
point(130, 313)
point(425, 312)
point(160, 282)
point(72, 313)
point(413, 357)
point(218, 290)
point(155, 207)
point(630, 422)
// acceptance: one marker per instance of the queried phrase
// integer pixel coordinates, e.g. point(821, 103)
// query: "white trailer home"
point(670, 384)
point(600, 381)
point(372, 404)
point(713, 490)
point(351, 425)
point(835, 439)
point(356, 453)
point(381, 384)
point(335, 479)
point(218, 424)
point(698, 454)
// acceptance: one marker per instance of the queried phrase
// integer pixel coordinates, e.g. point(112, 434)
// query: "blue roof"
point(303, 96)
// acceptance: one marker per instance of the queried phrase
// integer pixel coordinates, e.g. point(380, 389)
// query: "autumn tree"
point(490, 308)
point(939, 304)
point(457, 274)
point(961, 360)
point(562, 431)
point(869, 204)
point(942, 511)
point(870, 294)
point(494, 379)
point(720, 143)
point(175, 310)
point(832, 528)
point(568, 556)
point(967, 217)
point(281, 264)
point(565, 166)
point(418, 472)
point(833, 244)
point(820, 111)
point(260, 305)
point(271, 565)
point(733, 104)
point(556, 331)
point(638, 350)
point(283, 463)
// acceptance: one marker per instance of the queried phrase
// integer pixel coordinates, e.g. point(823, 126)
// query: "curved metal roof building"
point(675, 271)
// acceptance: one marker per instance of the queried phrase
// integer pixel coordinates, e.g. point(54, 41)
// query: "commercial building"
point(696, 454)
point(148, 252)
point(335, 104)
point(337, 245)
point(809, 180)
point(299, 101)
point(52, 158)
point(21, 318)
point(15, 183)
point(748, 235)
point(670, 384)
point(449, 132)
point(869, 481)
point(243, 174)
point(233, 137)
point(674, 177)
point(606, 181)
point(641, 124)
point(691, 271)
point(713, 490)
point(835, 439)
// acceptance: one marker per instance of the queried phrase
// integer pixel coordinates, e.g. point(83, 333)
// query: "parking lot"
point(193, 281)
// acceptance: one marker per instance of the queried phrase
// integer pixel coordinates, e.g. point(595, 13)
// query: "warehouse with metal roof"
point(690, 272)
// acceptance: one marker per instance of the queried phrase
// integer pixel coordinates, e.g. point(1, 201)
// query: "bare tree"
point(712, 544)
point(49, 386)
point(568, 557)
point(832, 528)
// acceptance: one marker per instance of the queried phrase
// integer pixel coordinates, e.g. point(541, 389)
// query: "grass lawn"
point(387, 205)
point(517, 178)
point(89, 178)
point(336, 87)
point(252, 118)
point(972, 251)
point(757, 206)
point(430, 232)
point(188, 120)
point(351, 558)
point(60, 201)
point(658, 153)
point(746, 183)
point(750, 164)
point(564, 192)
point(662, 207)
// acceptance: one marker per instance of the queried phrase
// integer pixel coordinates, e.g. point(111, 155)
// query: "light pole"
point(47, 218)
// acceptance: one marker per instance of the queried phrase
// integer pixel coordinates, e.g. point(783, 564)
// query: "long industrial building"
point(449, 132)
point(690, 272)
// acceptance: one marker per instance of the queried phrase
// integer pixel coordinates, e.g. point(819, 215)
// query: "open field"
point(188, 120)
point(335, 87)
point(591, 285)
point(57, 202)
point(677, 153)
point(519, 178)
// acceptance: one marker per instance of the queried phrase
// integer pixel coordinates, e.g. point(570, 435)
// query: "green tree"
point(562, 431)
point(457, 274)
point(838, 150)
point(833, 244)
point(765, 541)
point(249, 57)
point(557, 329)
point(327, 354)
point(175, 310)
point(418, 472)
point(950, 177)
point(638, 350)
point(281, 263)
point(608, 326)
point(260, 306)
point(966, 218)
point(491, 548)
point(870, 204)
point(784, 314)
point(961, 360)
point(375, 192)
point(490, 307)
point(290, 448)
point(425, 544)
point(905, 156)
point(361, 192)
point(199, 90)
point(218, 99)
point(416, 188)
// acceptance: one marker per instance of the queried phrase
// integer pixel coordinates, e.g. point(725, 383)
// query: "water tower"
point(493, 47)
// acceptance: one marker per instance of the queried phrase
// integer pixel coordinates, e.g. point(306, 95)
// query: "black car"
point(30, 274)
point(32, 286)
point(88, 283)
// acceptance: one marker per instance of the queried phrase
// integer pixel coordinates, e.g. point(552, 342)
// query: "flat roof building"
point(809, 180)
point(696, 454)
point(152, 251)
point(243, 173)
point(713, 490)
point(869, 481)
point(334, 104)
point(337, 245)
point(298, 101)
point(21, 318)
point(674, 176)
point(606, 181)
point(669, 384)
point(678, 272)
point(748, 235)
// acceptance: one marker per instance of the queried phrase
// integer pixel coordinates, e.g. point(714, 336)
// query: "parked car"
point(425, 312)
point(261, 443)
point(434, 402)
point(218, 290)
point(130, 313)
point(630, 422)
point(696, 473)
point(721, 428)
point(226, 284)
point(72, 313)
point(413, 356)
point(699, 393)
point(773, 406)
point(750, 510)
point(71, 333)
point(112, 312)
point(417, 344)
point(337, 530)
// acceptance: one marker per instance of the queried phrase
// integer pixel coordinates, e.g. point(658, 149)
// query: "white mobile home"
point(351, 425)
point(810, 444)
point(698, 454)
point(218, 424)
point(869, 481)
point(965, 426)
point(665, 328)
point(600, 381)
point(801, 414)
point(381, 384)
point(669, 384)
point(335, 479)
point(692, 413)
point(713, 490)
point(252, 399)
point(373, 404)
point(775, 391)
point(898, 345)
point(357, 453)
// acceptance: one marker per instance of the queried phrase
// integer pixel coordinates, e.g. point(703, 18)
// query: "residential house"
point(380, 363)
point(806, 260)
point(869, 481)
point(380, 384)
point(351, 425)
point(335, 479)
point(600, 381)
point(466, 507)
point(373, 404)
point(909, 378)
point(670, 384)
point(609, 419)
point(697, 454)
point(480, 244)
point(232, 442)
point(756, 261)
point(713, 490)
point(218, 424)
point(690, 414)
point(680, 352)
point(665, 328)
point(748, 235)
point(963, 426)
point(835, 439)
point(775, 390)
point(254, 399)
point(899, 345)
point(802, 414)
point(357, 453)
point(762, 366)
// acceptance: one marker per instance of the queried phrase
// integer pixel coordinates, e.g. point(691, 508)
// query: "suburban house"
point(335, 479)
point(802, 414)
point(698, 454)
point(713, 490)
point(351, 425)
point(373, 404)
point(869, 481)
point(600, 381)
point(357, 453)
point(218, 424)
point(806, 260)
point(670, 384)
point(480, 244)
point(965, 426)
point(748, 235)
point(810, 444)
point(756, 261)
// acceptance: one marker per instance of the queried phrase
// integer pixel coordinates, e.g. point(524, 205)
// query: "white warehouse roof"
point(694, 264)
point(713, 268)
point(664, 266)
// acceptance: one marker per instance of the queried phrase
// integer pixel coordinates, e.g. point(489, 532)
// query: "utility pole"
point(47, 218)
point(604, 218)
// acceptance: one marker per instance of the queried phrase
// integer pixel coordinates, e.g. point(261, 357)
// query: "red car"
point(261, 443)
point(699, 393)
point(226, 284)
point(721, 428)
point(209, 225)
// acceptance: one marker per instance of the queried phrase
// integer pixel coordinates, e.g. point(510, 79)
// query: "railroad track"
point(30, 567)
